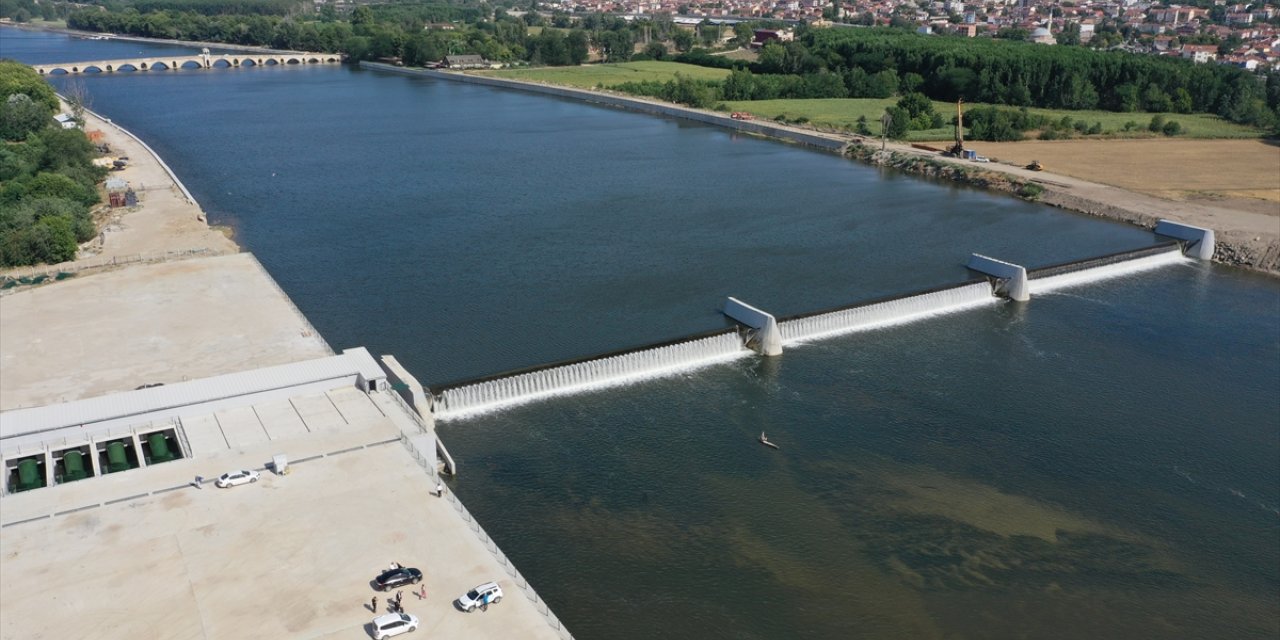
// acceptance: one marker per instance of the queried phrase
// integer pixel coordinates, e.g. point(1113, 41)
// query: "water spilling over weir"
point(591, 373)
point(1047, 279)
point(883, 313)
point(623, 367)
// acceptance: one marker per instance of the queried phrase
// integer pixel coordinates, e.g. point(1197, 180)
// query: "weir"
point(886, 311)
point(469, 398)
point(768, 334)
point(1113, 265)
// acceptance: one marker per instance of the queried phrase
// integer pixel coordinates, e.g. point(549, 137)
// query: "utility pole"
point(886, 121)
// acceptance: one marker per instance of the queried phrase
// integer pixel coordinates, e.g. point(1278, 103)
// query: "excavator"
point(1035, 166)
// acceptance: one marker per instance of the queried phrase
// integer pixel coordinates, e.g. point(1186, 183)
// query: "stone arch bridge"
point(199, 61)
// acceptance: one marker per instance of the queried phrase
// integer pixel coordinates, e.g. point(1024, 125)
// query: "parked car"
point(394, 624)
point(233, 478)
point(393, 578)
point(487, 593)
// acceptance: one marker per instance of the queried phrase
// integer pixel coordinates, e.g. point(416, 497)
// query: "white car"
point(394, 624)
point(485, 594)
point(233, 478)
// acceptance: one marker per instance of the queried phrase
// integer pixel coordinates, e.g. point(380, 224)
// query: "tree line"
point(48, 181)
point(1012, 73)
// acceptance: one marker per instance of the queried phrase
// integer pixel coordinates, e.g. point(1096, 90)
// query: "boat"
point(764, 440)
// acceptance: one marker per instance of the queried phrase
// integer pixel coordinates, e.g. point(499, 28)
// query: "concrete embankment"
point(807, 138)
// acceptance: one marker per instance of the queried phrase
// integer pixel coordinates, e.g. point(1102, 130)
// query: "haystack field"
point(1239, 174)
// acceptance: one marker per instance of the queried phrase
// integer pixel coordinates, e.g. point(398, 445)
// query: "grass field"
point(841, 113)
point(606, 75)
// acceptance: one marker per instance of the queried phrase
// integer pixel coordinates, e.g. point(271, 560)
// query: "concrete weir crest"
point(764, 337)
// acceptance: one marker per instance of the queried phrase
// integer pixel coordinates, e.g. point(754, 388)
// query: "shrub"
point(1171, 128)
point(1030, 191)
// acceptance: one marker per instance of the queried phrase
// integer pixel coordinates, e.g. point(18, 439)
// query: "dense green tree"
point(20, 116)
point(618, 45)
point(899, 123)
point(18, 78)
point(576, 44)
point(683, 39)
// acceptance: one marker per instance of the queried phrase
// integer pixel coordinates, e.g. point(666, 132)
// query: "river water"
point(1101, 462)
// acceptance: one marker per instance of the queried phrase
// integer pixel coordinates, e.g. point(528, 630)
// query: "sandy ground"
point(116, 329)
point(287, 557)
point(1242, 175)
point(166, 220)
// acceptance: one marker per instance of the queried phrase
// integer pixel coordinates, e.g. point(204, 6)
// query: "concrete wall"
point(641, 105)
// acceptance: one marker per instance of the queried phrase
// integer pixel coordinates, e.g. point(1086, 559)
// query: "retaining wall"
point(757, 127)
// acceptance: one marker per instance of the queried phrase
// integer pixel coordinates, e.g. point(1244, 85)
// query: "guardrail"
point(428, 463)
point(311, 330)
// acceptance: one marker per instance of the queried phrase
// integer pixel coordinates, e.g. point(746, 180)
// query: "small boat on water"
point(764, 440)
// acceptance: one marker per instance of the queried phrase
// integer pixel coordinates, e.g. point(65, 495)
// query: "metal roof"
point(352, 362)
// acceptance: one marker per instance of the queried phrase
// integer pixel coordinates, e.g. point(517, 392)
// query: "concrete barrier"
point(1013, 278)
point(1199, 242)
point(641, 105)
point(766, 338)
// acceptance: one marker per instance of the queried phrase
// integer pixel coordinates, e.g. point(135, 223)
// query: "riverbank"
point(166, 224)
point(1246, 238)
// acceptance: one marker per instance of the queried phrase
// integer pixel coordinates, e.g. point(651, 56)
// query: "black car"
point(397, 578)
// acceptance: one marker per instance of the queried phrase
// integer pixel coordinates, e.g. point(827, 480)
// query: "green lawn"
point(592, 75)
point(841, 113)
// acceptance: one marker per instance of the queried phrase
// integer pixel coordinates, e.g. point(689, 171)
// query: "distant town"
point(1242, 34)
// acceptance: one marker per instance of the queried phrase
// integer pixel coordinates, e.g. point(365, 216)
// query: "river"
point(1100, 462)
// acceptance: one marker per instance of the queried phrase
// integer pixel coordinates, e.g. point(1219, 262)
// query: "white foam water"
point(887, 313)
point(587, 375)
point(1114, 270)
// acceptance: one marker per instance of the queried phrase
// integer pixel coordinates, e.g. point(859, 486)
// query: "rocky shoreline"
point(1234, 248)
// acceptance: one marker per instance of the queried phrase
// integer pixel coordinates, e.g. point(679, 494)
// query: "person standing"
point(374, 605)
point(439, 489)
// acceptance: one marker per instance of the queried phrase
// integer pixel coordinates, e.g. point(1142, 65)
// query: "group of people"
point(396, 604)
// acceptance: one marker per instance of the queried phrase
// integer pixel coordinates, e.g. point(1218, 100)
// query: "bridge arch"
point(92, 68)
point(128, 66)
